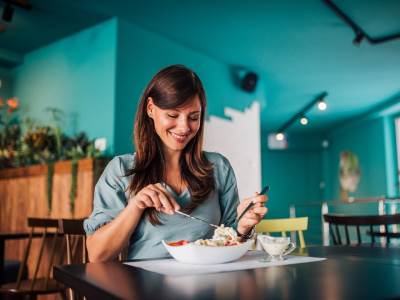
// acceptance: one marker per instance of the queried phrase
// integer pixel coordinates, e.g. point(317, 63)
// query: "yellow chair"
point(283, 226)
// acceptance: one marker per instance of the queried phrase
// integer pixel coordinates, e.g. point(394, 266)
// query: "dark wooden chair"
point(31, 288)
point(335, 221)
point(75, 238)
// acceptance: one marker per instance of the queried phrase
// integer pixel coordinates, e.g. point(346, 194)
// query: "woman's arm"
point(110, 239)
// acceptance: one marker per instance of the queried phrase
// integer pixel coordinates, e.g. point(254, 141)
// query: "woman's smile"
point(180, 138)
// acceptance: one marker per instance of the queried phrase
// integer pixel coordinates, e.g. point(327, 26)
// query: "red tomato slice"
point(178, 243)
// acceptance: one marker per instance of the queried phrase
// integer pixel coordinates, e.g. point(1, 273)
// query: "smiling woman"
point(176, 127)
point(137, 196)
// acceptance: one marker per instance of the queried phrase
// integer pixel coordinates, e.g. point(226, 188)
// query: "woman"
point(137, 195)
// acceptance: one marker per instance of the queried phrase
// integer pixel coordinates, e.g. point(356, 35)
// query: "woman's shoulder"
point(218, 160)
point(223, 171)
point(121, 163)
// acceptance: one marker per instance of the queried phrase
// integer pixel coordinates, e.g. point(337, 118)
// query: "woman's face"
point(176, 127)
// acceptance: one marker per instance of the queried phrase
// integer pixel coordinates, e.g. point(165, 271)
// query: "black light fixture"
point(10, 5)
point(8, 12)
point(249, 82)
point(360, 34)
point(358, 39)
point(301, 115)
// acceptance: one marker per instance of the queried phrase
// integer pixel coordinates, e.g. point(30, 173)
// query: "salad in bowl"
point(223, 247)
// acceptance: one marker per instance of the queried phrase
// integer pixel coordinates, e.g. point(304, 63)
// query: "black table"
point(348, 273)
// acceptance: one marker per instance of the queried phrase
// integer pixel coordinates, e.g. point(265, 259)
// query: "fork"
point(196, 218)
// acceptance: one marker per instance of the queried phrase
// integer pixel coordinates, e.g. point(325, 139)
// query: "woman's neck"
point(172, 160)
point(173, 176)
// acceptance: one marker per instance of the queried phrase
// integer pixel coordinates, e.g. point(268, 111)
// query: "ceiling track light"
point(360, 34)
point(8, 12)
point(358, 39)
point(322, 105)
point(301, 115)
point(303, 120)
point(8, 9)
point(280, 136)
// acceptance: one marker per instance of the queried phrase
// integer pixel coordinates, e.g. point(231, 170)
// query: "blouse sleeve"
point(109, 197)
point(229, 197)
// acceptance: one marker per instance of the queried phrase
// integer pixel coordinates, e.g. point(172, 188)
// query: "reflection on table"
point(345, 274)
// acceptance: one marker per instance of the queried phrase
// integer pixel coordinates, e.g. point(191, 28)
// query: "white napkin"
point(250, 261)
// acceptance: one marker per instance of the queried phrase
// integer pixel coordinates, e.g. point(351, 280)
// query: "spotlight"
point(280, 136)
point(303, 120)
point(300, 116)
point(8, 12)
point(322, 105)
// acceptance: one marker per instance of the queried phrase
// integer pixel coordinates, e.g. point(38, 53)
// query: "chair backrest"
point(49, 232)
point(74, 235)
point(336, 220)
point(285, 225)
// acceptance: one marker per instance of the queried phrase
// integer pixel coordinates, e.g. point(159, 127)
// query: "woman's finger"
point(153, 195)
point(259, 199)
point(166, 205)
point(145, 200)
point(260, 210)
point(156, 198)
point(165, 199)
point(242, 205)
point(251, 215)
point(249, 222)
point(170, 198)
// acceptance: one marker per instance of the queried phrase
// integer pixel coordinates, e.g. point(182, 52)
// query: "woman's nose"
point(183, 125)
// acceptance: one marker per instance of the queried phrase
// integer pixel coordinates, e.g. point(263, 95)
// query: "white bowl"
point(207, 255)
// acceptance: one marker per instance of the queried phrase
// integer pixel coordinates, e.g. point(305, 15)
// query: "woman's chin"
point(176, 147)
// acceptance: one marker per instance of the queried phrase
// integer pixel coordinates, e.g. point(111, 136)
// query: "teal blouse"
point(111, 195)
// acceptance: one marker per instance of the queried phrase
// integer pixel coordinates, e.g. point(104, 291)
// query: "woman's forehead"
point(192, 105)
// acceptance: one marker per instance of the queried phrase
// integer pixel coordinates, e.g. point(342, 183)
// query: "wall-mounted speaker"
point(249, 82)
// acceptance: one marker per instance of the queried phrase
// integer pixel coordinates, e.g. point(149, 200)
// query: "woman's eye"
point(172, 116)
point(194, 118)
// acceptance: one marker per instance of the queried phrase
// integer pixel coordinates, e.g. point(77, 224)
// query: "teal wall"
point(391, 163)
point(306, 174)
point(77, 75)
point(97, 75)
point(5, 88)
point(366, 139)
point(294, 174)
point(294, 178)
point(142, 53)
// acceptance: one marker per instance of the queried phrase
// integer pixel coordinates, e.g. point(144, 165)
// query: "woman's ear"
point(150, 107)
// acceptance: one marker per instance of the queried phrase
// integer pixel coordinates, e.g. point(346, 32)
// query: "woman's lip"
point(178, 137)
point(178, 134)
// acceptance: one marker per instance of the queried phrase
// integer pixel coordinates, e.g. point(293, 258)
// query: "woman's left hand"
point(254, 215)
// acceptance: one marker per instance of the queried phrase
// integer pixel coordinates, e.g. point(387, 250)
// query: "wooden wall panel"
point(23, 194)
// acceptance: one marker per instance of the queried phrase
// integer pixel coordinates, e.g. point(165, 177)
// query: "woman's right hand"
point(155, 195)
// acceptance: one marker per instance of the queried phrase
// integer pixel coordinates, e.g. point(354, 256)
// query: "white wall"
point(237, 137)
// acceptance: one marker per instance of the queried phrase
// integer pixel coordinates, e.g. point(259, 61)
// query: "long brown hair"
point(172, 87)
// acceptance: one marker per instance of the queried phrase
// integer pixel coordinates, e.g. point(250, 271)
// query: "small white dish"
point(207, 255)
point(276, 247)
